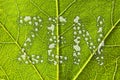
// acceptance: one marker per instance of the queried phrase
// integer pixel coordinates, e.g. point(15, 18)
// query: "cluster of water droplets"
point(100, 26)
point(52, 56)
point(30, 20)
point(76, 46)
point(78, 32)
point(36, 22)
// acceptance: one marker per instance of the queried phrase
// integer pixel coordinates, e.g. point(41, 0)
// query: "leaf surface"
point(47, 40)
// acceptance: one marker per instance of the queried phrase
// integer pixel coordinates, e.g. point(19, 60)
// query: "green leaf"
point(59, 40)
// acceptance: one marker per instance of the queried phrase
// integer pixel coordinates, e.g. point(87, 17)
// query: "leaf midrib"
point(57, 35)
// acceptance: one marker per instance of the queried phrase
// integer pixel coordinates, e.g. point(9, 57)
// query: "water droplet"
point(65, 58)
point(41, 61)
point(27, 18)
point(19, 59)
point(61, 61)
point(26, 62)
point(21, 21)
point(76, 20)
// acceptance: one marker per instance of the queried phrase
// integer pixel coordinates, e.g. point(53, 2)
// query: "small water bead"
point(102, 57)
point(87, 43)
point(78, 28)
point(54, 37)
point(36, 29)
point(91, 43)
point(23, 50)
point(26, 62)
point(75, 33)
point(100, 46)
point(36, 23)
point(55, 41)
point(78, 60)
point(101, 22)
point(101, 50)
point(90, 47)
point(28, 57)
point(32, 55)
point(99, 39)
point(100, 29)
point(61, 37)
point(61, 61)
point(50, 19)
point(65, 58)
point(30, 22)
point(19, 59)
point(55, 62)
point(61, 57)
point(87, 33)
point(41, 61)
point(52, 55)
point(80, 32)
point(33, 35)
point(37, 61)
point(76, 19)
point(33, 58)
point(78, 53)
point(83, 31)
point(74, 27)
point(51, 28)
point(33, 62)
point(77, 40)
point(34, 18)
point(74, 54)
point(76, 47)
point(37, 57)
point(23, 56)
point(51, 46)
point(94, 47)
point(86, 39)
point(27, 18)
point(40, 20)
point(50, 39)
point(84, 35)
point(101, 35)
point(30, 44)
point(54, 20)
point(25, 44)
point(97, 58)
point(52, 33)
point(21, 21)
point(28, 40)
point(62, 19)
point(101, 63)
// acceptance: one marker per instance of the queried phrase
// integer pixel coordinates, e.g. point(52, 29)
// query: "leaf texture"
point(59, 40)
